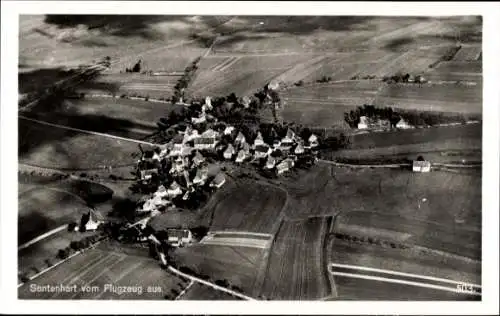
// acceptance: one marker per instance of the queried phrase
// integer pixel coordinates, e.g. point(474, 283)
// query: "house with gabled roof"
point(240, 139)
point(198, 159)
point(178, 237)
point(262, 151)
point(299, 149)
point(270, 163)
point(89, 221)
point(207, 140)
point(363, 122)
point(421, 165)
point(174, 190)
point(200, 119)
point(229, 130)
point(161, 191)
point(201, 176)
point(313, 141)
point(148, 173)
point(259, 140)
point(219, 180)
point(229, 152)
point(242, 156)
point(285, 165)
point(289, 138)
point(403, 124)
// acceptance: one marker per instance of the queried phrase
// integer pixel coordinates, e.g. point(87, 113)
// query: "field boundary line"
point(42, 237)
point(209, 284)
point(399, 281)
point(191, 283)
point(87, 131)
point(417, 276)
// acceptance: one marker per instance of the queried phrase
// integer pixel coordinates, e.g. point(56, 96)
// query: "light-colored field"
point(44, 208)
point(262, 205)
point(237, 239)
point(95, 268)
point(433, 97)
point(468, 53)
point(296, 270)
point(466, 67)
point(237, 265)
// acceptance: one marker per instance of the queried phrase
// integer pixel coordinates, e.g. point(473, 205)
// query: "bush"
point(62, 254)
point(24, 278)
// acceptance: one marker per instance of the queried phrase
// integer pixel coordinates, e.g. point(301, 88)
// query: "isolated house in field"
point(363, 122)
point(219, 180)
point(174, 190)
point(89, 222)
point(299, 149)
point(198, 159)
point(421, 166)
point(179, 237)
point(240, 139)
point(262, 151)
point(270, 163)
point(258, 140)
point(201, 176)
point(403, 124)
point(229, 152)
point(284, 166)
point(313, 141)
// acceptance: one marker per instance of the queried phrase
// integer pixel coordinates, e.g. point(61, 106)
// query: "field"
point(201, 292)
point(42, 209)
point(95, 269)
point(431, 97)
point(401, 260)
point(437, 144)
point(51, 147)
point(35, 255)
point(468, 53)
point(237, 265)
point(324, 105)
point(296, 270)
point(262, 204)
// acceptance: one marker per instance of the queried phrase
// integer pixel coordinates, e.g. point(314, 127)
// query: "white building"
point(229, 152)
point(242, 156)
point(228, 130)
point(174, 190)
point(421, 166)
point(259, 140)
point(240, 139)
point(90, 221)
point(198, 159)
point(201, 176)
point(179, 237)
point(313, 141)
point(363, 122)
point(148, 173)
point(284, 166)
point(199, 120)
point(270, 163)
point(299, 149)
point(403, 124)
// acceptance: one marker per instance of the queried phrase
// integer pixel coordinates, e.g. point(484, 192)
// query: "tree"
point(62, 254)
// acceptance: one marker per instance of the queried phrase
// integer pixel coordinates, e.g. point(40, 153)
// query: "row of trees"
point(185, 80)
point(414, 118)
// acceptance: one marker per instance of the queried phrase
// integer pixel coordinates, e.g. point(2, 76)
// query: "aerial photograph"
point(249, 158)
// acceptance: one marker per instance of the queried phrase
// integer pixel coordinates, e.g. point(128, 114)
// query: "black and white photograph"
point(264, 157)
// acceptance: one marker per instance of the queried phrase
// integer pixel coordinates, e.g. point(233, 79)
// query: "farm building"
point(289, 137)
point(261, 151)
point(276, 144)
point(229, 152)
point(161, 191)
point(284, 166)
point(421, 165)
point(259, 140)
point(179, 237)
point(208, 103)
point(201, 176)
point(198, 159)
point(89, 222)
point(363, 122)
point(190, 135)
point(148, 173)
point(403, 124)
point(218, 181)
point(204, 143)
point(174, 190)
point(240, 139)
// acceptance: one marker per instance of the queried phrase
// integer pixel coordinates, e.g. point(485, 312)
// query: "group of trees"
point(370, 111)
point(76, 246)
point(185, 80)
point(136, 68)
